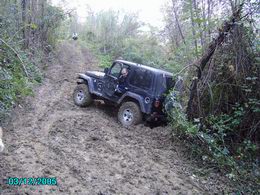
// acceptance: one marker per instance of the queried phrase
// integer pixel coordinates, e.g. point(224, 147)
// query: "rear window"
point(165, 83)
point(141, 78)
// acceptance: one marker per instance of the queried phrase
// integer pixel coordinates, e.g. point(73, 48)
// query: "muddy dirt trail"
point(85, 148)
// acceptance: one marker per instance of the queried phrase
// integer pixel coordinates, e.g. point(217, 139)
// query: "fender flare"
point(88, 80)
point(138, 98)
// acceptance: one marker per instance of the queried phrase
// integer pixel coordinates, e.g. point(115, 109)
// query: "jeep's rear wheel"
point(129, 114)
point(81, 96)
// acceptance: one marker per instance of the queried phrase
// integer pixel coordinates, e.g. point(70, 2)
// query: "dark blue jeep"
point(137, 90)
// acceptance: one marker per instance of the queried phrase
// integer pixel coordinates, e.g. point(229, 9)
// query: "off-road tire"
point(129, 114)
point(81, 96)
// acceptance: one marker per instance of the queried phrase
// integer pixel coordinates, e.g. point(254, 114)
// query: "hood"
point(95, 74)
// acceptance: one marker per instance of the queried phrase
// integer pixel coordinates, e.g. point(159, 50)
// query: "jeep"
point(139, 96)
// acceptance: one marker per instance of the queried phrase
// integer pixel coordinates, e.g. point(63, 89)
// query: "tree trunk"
point(193, 30)
point(232, 5)
point(204, 21)
point(179, 27)
point(209, 17)
point(28, 23)
point(24, 21)
point(196, 10)
point(175, 37)
point(177, 22)
point(33, 20)
point(42, 26)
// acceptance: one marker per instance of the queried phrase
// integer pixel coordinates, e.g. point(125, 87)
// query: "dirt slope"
point(86, 149)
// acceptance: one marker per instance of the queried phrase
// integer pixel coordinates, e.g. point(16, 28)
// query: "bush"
point(13, 82)
point(210, 140)
point(104, 61)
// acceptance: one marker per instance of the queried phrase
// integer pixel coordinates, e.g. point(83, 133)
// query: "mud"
point(85, 148)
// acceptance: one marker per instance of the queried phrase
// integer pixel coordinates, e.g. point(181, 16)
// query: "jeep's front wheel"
point(129, 114)
point(81, 96)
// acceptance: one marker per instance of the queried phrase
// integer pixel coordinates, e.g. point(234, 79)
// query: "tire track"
point(85, 148)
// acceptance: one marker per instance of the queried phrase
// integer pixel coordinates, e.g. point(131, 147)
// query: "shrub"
point(211, 140)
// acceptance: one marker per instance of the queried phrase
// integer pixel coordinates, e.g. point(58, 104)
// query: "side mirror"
point(106, 70)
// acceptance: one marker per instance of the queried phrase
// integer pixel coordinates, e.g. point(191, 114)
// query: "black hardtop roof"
point(155, 70)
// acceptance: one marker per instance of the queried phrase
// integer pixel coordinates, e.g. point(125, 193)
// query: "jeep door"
point(111, 80)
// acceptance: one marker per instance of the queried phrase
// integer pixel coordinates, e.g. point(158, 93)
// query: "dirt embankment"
point(86, 149)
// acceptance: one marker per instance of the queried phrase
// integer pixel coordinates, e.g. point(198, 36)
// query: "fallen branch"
point(18, 56)
point(178, 73)
point(202, 62)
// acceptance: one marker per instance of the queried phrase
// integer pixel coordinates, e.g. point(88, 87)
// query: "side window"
point(141, 78)
point(116, 69)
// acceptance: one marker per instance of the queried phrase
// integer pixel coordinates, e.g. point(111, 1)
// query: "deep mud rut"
point(85, 148)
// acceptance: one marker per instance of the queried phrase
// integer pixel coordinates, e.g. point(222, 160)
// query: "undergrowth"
point(209, 141)
point(14, 83)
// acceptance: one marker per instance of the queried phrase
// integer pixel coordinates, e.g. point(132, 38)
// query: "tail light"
point(156, 103)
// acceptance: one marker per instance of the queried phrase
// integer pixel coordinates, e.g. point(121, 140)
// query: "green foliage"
point(26, 42)
point(111, 35)
point(104, 61)
point(227, 102)
point(211, 140)
point(143, 49)
point(53, 20)
point(181, 125)
point(13, 83)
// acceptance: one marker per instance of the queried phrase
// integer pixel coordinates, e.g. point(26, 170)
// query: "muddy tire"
point(81, 96)
point(129, 114)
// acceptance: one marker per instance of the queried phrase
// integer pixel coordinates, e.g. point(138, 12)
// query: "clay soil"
point(86, 149)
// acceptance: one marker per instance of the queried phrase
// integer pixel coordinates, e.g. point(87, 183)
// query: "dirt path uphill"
point(86, 149)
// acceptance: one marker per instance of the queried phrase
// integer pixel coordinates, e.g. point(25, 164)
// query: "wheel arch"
point(134, 98)
point(87, 80)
